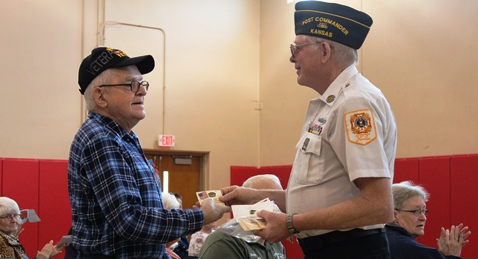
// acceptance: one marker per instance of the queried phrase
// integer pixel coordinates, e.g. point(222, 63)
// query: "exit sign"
point(166, 141)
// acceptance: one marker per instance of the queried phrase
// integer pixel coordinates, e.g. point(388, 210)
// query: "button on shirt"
point(116, 196)
point(349, 133)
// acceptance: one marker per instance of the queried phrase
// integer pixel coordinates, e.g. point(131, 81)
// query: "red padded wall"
point(281, 171)
point(54, 210)
point(452, 182)
point(240, 173)
point(20, 182)
point(406, 169)
point(464, 198)
point(434, 176)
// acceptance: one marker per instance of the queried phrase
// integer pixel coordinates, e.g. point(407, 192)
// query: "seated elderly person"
point(409, 223)
point(221, 244)
point(10, 221)
point(181, 247)
point(171, 202)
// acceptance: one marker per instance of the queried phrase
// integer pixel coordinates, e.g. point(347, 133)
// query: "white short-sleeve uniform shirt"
point(348, 133)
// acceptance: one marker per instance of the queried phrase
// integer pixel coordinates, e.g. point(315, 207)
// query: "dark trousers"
point(353, 244)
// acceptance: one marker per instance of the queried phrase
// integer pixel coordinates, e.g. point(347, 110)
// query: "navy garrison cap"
point(331, 21)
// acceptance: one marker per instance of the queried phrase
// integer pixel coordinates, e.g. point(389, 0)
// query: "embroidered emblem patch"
point(360, 126)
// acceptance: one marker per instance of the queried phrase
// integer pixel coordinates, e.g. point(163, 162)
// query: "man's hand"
point(276, 229)
point(213, 210)
point(233, 195)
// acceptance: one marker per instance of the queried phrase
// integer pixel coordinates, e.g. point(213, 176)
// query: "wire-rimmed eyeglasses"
point(134, 85)
point(417, 212)
point(10, 217)
point(294, 48)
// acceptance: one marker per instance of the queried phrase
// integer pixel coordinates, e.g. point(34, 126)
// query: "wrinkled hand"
point(276, 229)
point(452, 241)
point(233, 195)
point(212, 210)
point(464, 234)
point(48, 251)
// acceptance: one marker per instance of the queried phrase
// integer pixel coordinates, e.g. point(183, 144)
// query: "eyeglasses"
point(294, 48)
point(417, 212)
point(10, 217)
point(134, 85)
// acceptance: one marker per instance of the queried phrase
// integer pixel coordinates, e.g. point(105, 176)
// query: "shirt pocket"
point(308, 166)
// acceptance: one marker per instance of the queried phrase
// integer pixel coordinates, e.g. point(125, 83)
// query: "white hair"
point(102, 79)
point(263, 181)
point(8, 205)
point(170, 201)
point(343, 55)
point(405, 190)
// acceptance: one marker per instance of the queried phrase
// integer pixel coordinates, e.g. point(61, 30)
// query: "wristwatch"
point(290, 226)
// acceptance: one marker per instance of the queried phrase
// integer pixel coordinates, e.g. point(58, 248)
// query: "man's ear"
point(395, 212)
point(99, 97)
point(326, 51)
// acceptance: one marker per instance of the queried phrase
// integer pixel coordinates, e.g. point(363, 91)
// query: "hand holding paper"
point(214, 194)
point(247, 217)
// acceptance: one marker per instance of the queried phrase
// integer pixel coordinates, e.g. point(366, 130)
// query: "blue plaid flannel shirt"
point(115, 196)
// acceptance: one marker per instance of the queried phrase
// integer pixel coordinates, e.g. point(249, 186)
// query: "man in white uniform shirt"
point(339, 193)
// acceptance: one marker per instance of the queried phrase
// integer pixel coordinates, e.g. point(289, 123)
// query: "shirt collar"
point(333, 91)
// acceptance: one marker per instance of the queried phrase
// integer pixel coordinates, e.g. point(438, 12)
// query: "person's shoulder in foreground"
point(221, 244)
point(402, 246)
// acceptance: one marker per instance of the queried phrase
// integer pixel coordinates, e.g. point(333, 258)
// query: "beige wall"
point(228, 85)
point(421, 54)
point(211, 74)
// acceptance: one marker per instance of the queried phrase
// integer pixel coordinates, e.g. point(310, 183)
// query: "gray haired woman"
point(409, 223)
point(10, 222)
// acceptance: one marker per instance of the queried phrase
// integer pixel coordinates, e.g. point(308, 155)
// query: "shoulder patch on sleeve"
point(360, 126)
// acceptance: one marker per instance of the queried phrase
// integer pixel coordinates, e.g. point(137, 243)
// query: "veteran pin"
point(330, 98)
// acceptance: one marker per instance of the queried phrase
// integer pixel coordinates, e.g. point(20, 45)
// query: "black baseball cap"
point(103, 58)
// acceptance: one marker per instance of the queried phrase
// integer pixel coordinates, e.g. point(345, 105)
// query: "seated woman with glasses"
point(409, 223)
point(10, 222)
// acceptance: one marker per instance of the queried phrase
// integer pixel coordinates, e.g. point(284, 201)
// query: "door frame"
point(203, 161)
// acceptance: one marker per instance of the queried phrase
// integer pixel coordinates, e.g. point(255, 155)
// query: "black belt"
point(314, 243)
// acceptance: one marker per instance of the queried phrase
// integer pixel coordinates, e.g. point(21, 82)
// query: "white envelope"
point(251, 210)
